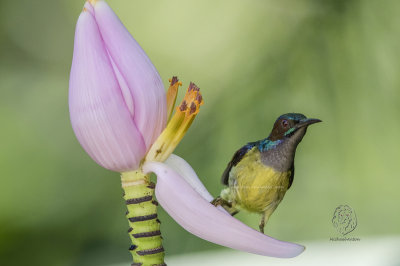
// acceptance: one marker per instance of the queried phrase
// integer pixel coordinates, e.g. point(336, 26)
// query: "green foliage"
point(253, 60)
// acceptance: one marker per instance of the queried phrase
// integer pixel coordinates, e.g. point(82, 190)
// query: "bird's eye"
point(285, 123)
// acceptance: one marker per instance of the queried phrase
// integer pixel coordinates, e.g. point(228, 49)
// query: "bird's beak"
point(307, 122)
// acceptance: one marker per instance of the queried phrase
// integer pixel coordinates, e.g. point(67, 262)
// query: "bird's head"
point(291, 126)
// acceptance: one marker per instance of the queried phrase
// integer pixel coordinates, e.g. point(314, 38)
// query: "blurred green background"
point(253, 60)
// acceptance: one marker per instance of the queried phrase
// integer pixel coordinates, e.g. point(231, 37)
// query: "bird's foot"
point(261, 228)
point(228, 206)
point(218, 201)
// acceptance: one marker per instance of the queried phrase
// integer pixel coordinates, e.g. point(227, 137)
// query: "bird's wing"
point(291, 177)
point(235, 160)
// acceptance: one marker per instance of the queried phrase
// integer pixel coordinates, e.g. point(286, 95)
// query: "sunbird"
point(261, 172)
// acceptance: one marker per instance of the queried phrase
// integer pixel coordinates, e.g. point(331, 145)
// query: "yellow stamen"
point(171, 95)
point(177, 126)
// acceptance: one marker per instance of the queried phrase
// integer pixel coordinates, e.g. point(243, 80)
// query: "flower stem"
point(144, 227)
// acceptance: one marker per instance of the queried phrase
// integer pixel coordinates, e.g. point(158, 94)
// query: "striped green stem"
point(144, 227)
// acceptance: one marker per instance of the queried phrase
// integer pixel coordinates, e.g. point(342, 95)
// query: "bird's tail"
point(218, 201)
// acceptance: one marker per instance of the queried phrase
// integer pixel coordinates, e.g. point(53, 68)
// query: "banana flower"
point(119, 112)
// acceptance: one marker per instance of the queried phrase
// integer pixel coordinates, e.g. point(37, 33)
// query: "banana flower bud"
point(116, 97)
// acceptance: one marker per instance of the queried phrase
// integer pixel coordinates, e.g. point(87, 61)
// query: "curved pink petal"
point(186, 171)
point(99, 115)
point(202, 219)
point(137, 70)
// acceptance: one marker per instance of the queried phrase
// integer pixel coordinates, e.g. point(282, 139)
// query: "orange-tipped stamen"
point(177, 126)
point(171, 95)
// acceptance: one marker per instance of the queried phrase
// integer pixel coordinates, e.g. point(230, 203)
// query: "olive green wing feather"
point(291, 177)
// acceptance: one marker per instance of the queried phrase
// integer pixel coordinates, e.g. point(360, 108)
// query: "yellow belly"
point(256, 187)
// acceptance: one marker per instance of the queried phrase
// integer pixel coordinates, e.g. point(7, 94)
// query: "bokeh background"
point(337, 60)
